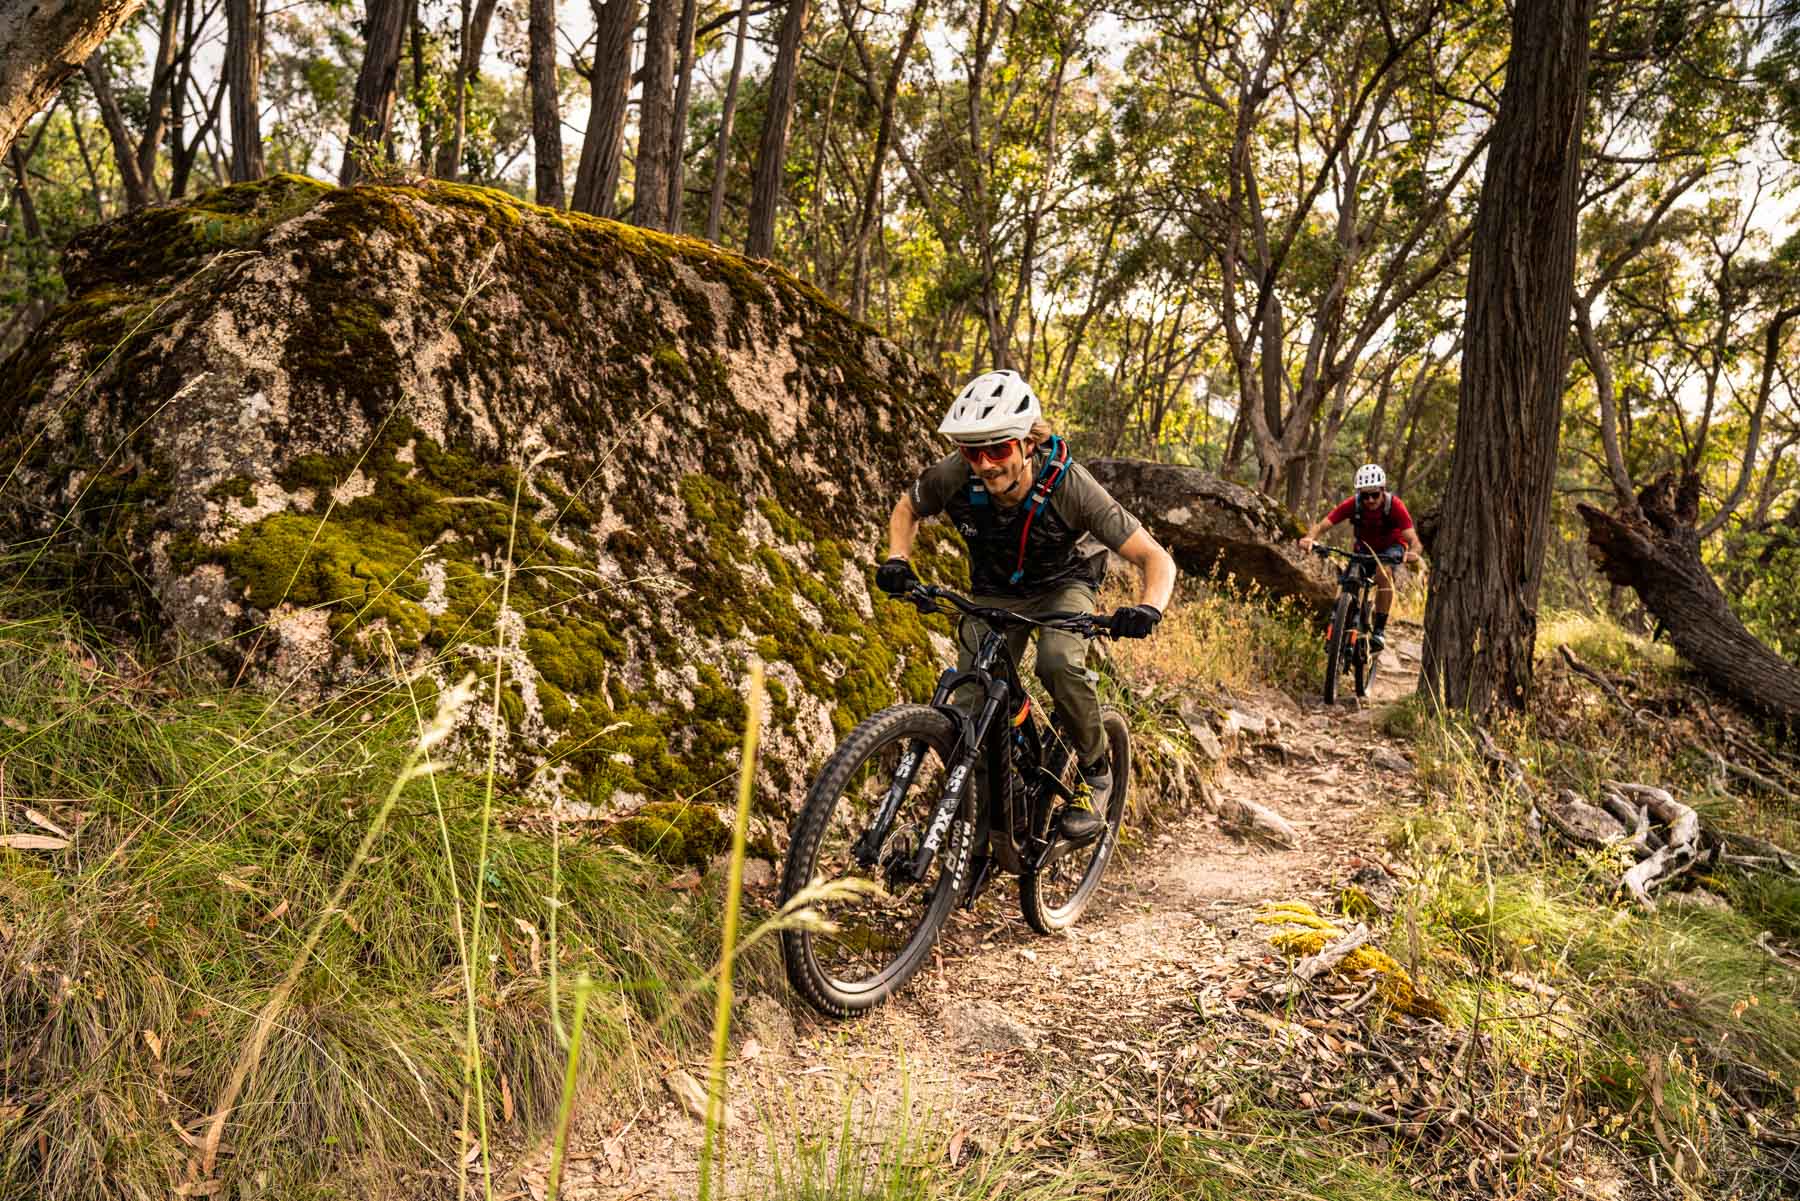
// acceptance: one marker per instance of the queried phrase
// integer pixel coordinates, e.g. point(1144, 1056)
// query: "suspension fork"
point(868, 848)
point(957, 783)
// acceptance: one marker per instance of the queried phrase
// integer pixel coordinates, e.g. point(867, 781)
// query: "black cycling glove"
point(1135, 621)
point(895, 576)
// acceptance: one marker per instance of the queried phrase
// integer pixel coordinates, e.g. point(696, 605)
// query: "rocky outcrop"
point(1216, 528)
point(338, 437)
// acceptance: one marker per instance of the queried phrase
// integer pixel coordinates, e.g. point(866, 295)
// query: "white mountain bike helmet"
point(992, 407)
point(1370, 475)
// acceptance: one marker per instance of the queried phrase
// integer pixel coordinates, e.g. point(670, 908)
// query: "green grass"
point(1674, 1029)
point(208, 830)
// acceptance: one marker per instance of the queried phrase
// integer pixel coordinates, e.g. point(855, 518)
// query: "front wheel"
point(1335, 638)
point(1365, 655)
point(874, 926)
point(1055, 897)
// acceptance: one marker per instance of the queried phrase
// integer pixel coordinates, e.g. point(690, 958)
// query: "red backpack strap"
point(1047, 482)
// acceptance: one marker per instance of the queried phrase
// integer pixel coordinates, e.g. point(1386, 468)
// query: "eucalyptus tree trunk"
point(372, 108)
point(869, 210)
point(771, 154)
point(156, 103)
point(546, 113)
point(1481, 619)
point(243, 77)
point(41, 45)
point(684, 80)
point(124, 152)
point(468, 68)
point(656, 117)
point(715, 208)
point(609, 86)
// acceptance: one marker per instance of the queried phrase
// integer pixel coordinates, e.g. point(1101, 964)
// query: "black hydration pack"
point(1049, 479)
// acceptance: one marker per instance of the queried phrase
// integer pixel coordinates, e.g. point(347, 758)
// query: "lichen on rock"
point(331, 434)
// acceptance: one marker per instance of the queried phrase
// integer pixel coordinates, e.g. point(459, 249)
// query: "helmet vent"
point(986, 409)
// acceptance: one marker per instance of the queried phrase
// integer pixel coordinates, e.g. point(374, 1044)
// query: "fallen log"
point(1656, 552)
point(1212, 525)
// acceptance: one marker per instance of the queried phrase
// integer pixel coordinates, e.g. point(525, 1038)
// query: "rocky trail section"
point(1144, 1014)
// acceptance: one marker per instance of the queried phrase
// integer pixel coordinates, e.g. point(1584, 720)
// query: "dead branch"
point(1313, 966)
point(1677, 854)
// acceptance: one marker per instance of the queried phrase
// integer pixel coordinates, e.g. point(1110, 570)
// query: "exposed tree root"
point(1664, 836)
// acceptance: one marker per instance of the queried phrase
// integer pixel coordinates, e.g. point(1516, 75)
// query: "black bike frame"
point(996, 677)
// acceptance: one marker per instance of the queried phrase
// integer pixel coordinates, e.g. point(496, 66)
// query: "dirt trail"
point(1004, 1022)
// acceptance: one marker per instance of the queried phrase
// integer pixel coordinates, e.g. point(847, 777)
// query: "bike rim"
point(876, 935)
point(1066, 884)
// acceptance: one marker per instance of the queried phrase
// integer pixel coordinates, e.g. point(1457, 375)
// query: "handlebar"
point(926, 598)
point(1392, 556)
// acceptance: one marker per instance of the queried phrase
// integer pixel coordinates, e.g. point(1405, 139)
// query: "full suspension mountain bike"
point(1347, 638)
point(920, 804)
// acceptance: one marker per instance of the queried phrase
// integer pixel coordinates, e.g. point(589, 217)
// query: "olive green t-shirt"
point(1083, 518)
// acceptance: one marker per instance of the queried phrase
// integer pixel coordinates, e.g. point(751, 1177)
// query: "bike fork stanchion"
point(868, 848)
point(957, 784)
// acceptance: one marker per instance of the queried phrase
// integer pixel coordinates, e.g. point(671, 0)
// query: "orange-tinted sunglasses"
point(993, 452)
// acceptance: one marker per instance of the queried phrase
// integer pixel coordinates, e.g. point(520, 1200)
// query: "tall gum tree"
point(43, 44)
point(1481, 617)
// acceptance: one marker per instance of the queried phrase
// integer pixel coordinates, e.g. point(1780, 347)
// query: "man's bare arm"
point(1147, 555)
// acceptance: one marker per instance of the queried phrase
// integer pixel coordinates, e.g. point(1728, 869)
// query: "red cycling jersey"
point(1378, 530)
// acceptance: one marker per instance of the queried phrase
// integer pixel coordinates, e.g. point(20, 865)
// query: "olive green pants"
point(1061, 660)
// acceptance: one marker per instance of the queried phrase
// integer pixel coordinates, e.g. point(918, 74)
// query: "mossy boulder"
point(335, 438)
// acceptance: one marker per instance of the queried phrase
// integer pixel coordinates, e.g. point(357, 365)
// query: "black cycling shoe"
point(1080, 826)
point(1377, 640)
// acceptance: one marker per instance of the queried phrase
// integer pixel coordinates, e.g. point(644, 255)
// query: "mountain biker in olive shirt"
point(1033, 559)
point(1380, 522)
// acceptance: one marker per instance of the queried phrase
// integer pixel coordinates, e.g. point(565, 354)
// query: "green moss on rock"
point(414, 333)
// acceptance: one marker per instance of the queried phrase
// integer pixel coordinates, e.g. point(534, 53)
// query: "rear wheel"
point(1055, 897)
point(1335, 641)
point(878, 925)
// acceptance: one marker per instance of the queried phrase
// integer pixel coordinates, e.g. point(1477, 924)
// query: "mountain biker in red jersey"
point(1034, 521)
point(1379, 521)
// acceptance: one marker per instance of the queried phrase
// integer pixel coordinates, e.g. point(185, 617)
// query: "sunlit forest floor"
point(1511, 1027)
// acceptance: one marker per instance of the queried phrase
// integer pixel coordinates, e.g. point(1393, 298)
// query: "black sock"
point(1380, 622)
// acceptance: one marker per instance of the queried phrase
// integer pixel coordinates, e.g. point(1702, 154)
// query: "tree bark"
point(427, 130)
point(1481, 618)
point(243, 75)
point(656, 116)
point(34, 229)
point(468, 69)
point(609, 87)
point(1656, 551)
point(868, 211)
point(372, 109)
point(124, 152)
point(546, 112)
point(684, 80)
point(43, 44)
point(156, 106)
point(771, 154)
point(715, 208)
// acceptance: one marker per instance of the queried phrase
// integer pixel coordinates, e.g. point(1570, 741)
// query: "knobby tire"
point(1050, 904)
point(807, 951)
point(1334, 645)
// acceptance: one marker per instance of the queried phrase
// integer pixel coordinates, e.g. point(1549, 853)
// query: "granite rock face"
point(336, 439)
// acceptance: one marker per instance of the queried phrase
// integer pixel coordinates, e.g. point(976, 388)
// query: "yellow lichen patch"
point(1301, 932)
